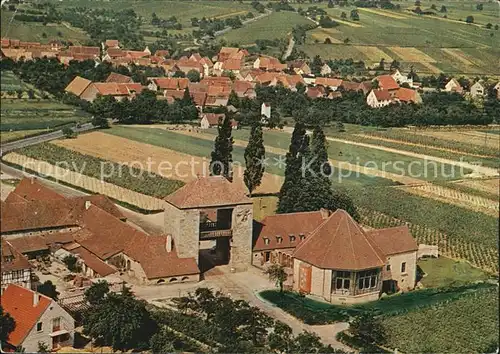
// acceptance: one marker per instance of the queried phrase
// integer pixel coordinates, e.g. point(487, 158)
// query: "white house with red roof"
point(379, 98)
point(39, 319)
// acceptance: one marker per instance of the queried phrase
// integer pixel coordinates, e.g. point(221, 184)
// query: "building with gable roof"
point(231, 230)
point(35, 220)
point(334, 258)
point(16, 268)
point(38, 319)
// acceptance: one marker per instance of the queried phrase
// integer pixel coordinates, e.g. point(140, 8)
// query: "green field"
point(129, 177)
point(466, 325)
point(10, 82)
point(442, 272)
point(317, 312)
point(275, 26)
point(25, 114)
point(431, 43)
point(33, 31)
point(203, 148)
point(365, 157)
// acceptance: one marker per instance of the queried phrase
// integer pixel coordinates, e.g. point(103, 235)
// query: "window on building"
point(279, 239)
point(39, 327)
point(367, 279)
point(266, 240)
point(343, 280)
point(56, 324)
point(388, 268)
point(403, 267)
point(292, 238)
point(302, 236)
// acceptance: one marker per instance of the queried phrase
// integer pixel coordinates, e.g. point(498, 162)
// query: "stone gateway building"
point(211, 209)
point(332, 257)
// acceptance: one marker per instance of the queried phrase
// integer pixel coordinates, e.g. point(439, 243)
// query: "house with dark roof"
point(334, 258)
point(39, 319)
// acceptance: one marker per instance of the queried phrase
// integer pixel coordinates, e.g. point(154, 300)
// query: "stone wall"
point(406, 280)
point(184, 226)
point(40, 232)
point(241, 245)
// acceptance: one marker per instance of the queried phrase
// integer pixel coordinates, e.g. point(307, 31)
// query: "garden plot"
point(185, 167)
point(464, 136)
point(85, 182)
point(453, 196)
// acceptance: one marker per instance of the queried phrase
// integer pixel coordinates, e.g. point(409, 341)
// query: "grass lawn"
point(25, 114)
point(275, 26)
point(203, 148)
point(315, 312)
point(442, 271)
point(33, 31)
point(466, 325)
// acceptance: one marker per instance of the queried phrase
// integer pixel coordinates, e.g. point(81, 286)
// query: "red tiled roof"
point(38, 214)
point(156, 261)
point(31, 189)
point(284, 225)
point(232, 64)
point(217, 81)
point(393, 240)
point(315, 92)
point(93, 262)
point(162, 53)
point(5, 42)
point(18, 302)
point(387, 82)
point(111, 89)
point(112, 43)
point(327, 82)
point(166, 83)
point(240, 87)
point(119, 78)
point(115, 52)
point(207, 192)
point(136, 54)
point(350, 86)
point(78, 85)
point(93, 51)
point(18, 262)
point(29, 244)
point(195, 87)
point(340, 243)
point(406, 95)
point(382, 95)
point(214, 118)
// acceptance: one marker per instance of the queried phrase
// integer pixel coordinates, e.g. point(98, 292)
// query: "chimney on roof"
point(87, 204)
point(325, 213)
point(36, 298)
point(168, 245)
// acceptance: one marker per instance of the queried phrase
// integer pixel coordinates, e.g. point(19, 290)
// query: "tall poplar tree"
point(254, 157)
point(222, 156)
point(290, 189)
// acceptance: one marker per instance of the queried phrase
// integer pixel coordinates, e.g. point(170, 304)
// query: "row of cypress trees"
point(307, 185)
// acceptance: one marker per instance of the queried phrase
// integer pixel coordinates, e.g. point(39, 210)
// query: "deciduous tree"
point(277, 273)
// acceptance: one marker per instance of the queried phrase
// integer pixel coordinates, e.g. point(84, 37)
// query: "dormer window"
point(292, 238)
point(266, 240)
point(279, 239)
point(302, 237)
point(8, 259)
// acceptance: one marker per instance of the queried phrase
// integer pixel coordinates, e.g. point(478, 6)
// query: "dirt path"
point(487, 171)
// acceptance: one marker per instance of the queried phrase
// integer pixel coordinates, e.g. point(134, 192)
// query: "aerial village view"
point(237, 176)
